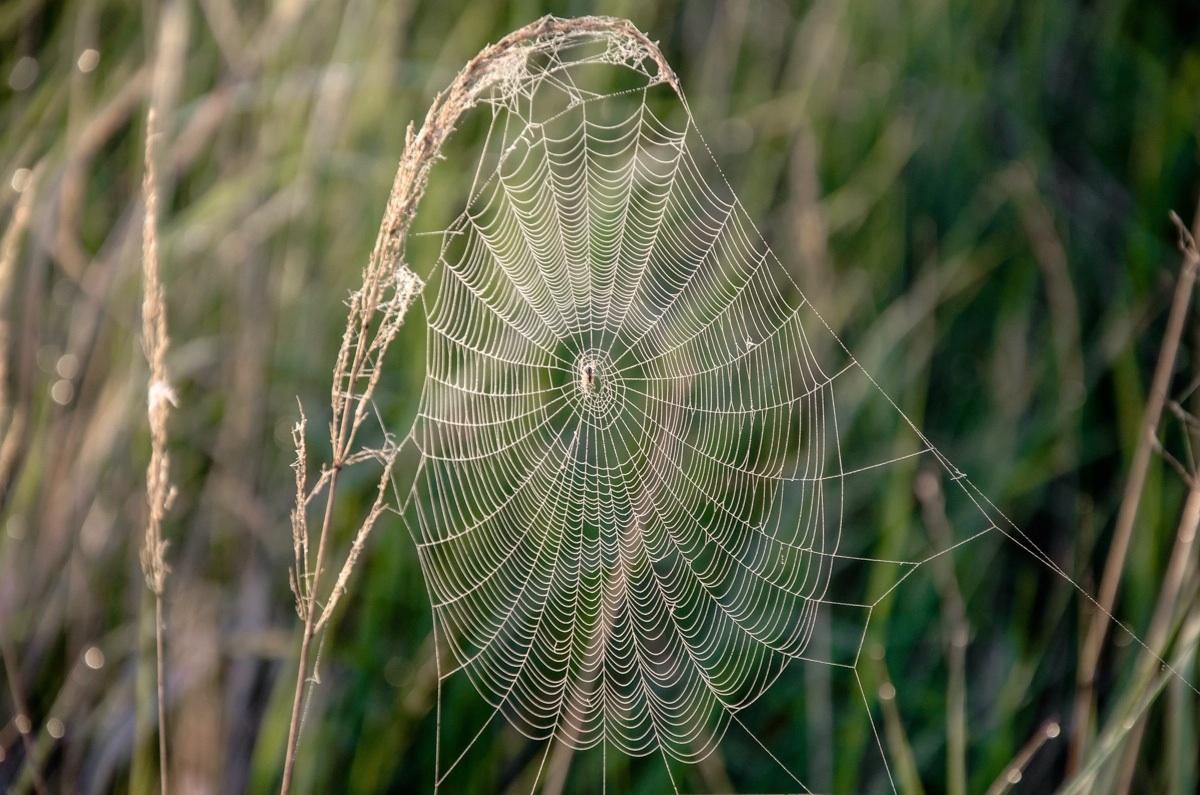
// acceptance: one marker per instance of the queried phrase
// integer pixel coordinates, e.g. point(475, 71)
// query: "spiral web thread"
point(631, 499)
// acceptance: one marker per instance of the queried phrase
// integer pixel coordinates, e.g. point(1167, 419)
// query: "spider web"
point(633, 504)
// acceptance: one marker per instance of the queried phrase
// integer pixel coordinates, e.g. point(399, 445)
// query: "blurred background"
point(974, 194)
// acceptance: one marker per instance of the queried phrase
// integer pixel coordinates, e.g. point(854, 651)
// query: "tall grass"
point(975, 194)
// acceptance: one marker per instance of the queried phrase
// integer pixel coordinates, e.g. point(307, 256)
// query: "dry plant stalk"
point(1013, 771)
point(377, 312)
point(160, 397)
point(1131, 499)
point(9, 247)
point(956, 630)
point(1182, 563)
point(24, 726)
point(12, 417)
point(12, 422)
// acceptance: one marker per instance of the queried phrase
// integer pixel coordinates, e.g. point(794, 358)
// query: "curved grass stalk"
point(378, 309)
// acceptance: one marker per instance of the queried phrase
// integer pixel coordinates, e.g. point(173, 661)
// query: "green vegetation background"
point(974, 193)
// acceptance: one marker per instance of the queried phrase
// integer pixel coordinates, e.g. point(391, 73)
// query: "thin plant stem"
point(908, 778)
point(11, 428)
point(1137, 699)
point(1160, 626)
point(306, 639)
point(12, 413)
point(1013, 770)
point(1131, 499)
point(956, 630)
point(24, 723)
point(159, 631)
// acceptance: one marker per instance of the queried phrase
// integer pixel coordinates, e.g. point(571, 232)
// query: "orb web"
point(631, 497)
point(633, 507)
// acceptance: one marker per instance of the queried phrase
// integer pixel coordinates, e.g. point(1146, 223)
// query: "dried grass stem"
point(377, 311)
point(1131, 499)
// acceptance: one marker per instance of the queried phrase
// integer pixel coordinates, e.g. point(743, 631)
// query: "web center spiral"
point(598, 388)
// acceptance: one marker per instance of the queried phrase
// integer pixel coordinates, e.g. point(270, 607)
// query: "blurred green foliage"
point(975, 195)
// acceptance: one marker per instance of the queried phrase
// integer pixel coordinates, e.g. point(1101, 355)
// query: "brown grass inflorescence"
point(160, 398)
point(377, 311)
